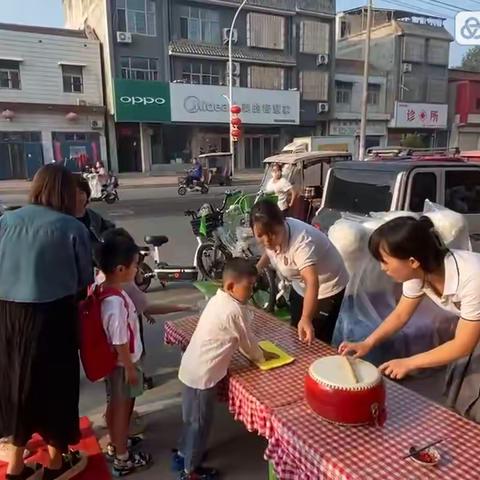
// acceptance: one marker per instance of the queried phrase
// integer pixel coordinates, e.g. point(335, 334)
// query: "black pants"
point(324, 320)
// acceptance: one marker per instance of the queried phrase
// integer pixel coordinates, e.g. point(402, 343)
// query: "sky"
point(50, 13)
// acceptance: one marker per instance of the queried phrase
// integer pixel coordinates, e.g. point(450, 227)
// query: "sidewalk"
point(138, 180)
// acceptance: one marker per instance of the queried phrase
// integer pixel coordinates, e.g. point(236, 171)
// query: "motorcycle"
point(107, 192)
point(194, 186)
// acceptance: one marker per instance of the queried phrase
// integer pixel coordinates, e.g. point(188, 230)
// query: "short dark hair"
point(83, 185)
point(239, 268)
point(117, 232)
point(53, 186)
point(267, 214)
point(116, 250)
point(408, 237)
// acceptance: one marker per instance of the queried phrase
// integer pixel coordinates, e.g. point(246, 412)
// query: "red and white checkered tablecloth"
point(253, 393)
point(305, 447)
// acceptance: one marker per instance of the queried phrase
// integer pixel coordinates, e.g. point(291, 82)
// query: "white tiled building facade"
point(51, 99)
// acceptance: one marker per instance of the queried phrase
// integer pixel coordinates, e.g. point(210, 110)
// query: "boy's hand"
point(131, 374)
point(269, 355)
point(150, 319)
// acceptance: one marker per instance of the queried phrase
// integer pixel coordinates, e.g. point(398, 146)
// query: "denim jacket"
point(44, 255)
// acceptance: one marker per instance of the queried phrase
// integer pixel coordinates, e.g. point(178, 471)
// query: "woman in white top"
point(282, 188)
point(410, 252)
point(306, 257)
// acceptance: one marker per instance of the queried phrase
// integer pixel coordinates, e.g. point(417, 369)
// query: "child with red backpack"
point(117, 257)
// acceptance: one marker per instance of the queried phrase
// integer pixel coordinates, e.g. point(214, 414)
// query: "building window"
point(373, 94)
point(72, 78)
point(200, 25)
point(344, 92)
point(201, 73)
point(10, 74)
point(314, 85)
point(413, 49)
point(266, 77)
point(136, 16)
point(314, 37)
point(437, 52)
point(437, 90)
point(265, 31)
point(137, 68)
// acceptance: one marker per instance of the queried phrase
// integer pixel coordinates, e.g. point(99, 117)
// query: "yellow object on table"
point(284, 358)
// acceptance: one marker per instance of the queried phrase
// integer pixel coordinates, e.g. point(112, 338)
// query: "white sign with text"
point(420, 115)
point(208, 104)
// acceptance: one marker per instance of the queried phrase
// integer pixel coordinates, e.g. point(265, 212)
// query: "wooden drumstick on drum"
point(350, 369)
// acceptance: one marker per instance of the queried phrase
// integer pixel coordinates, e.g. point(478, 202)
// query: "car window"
point(360, 191)
point(423, 187)
point(462, 190)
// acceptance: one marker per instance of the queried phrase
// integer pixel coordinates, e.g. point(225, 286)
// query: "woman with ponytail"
point(411, 252)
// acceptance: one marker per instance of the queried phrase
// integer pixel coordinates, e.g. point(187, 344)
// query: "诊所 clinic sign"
point(207, 104)
point(142, 101)
point(420, 115)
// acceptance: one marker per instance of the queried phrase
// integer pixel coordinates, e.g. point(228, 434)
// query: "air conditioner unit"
point(322, 107)
point(96, 124)
point(81, 102)
point(323, 59)
point(226, 35)
point(235, 68)
point(124, 37)
point(407, 68)
point(235, 81)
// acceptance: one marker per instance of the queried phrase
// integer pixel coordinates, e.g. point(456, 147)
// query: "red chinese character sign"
point(420, 115)
point(235, 122)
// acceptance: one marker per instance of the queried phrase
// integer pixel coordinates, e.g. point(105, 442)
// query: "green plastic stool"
point(271, 472)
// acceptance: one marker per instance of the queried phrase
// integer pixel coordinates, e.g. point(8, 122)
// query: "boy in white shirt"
point(117, 258)
point(224, 327)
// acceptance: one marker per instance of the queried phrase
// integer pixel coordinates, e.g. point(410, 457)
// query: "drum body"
point(331, 393)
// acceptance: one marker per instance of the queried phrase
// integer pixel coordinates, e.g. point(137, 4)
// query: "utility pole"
point(230, 81)
point(366, 69)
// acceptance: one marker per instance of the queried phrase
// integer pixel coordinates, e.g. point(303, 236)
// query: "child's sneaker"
point(200, 473)
point(135, 462)
point(73, 463)
point(178, 460)
point(110, 452)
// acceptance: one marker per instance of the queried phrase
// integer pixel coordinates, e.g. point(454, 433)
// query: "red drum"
point(346, 391)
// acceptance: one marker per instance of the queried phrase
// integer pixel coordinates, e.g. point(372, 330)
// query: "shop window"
point(373, 94)
point(10, 74)
point(314, 37)
point(201, 73)
point(265, 31)
point(266, 77)
point(72, 78)
point(138, 68)
point(314, 85)
point(200, 24)
point(423, 187)
point(136, 16)
point(462, 191)
point(344, 92)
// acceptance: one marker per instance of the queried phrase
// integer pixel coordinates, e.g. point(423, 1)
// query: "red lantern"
point(236, 133)
point(235, 109)
point(236, 122)
point(8, 114)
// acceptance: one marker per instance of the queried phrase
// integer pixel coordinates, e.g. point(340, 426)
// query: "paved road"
point(160, 211)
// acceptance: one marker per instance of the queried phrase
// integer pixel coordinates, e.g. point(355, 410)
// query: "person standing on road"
point(306, 257)
point(411, 252)
point(282, 188)
point(45, 261)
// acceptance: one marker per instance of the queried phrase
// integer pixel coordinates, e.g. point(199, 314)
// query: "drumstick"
point(350, 369)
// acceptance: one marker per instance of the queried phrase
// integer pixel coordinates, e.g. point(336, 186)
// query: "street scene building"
point(166, 76)
point(413, 51)
point(51, 99)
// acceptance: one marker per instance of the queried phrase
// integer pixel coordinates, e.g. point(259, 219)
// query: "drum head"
point(334, 372)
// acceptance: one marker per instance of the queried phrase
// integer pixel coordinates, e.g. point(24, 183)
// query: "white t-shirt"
point(224, 327)
point(461, 292)
point(280, 188)
point(115, 318)
point(308, 246)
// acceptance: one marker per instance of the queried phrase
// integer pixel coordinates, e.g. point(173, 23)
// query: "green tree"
point(471, 60)
point(413, 141)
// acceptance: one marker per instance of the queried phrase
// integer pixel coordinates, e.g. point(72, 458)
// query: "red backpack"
point(98, 356)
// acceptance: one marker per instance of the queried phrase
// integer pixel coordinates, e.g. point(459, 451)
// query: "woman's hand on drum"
point(306, 333)
point(397, 369)
point(359, 349)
